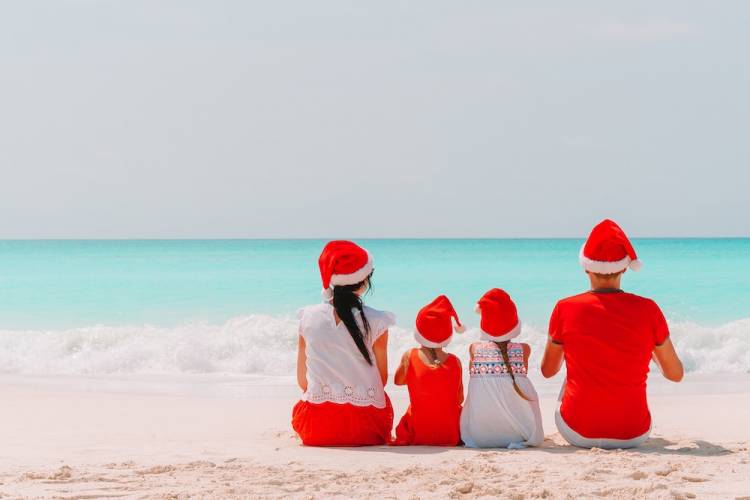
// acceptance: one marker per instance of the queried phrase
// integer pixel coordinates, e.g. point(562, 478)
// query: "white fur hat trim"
point(428, 343)
point(515, 332)
point(355, 277)
point(604, 267)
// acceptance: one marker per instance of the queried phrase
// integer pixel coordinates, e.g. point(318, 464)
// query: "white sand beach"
point(215, 438)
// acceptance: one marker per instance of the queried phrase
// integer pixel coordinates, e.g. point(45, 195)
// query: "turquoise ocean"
point(228, 306)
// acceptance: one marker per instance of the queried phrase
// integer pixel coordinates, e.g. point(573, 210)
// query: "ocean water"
point(228, 306)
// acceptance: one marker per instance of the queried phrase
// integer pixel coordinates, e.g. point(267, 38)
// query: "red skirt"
point(333, 424)
point(442, 429)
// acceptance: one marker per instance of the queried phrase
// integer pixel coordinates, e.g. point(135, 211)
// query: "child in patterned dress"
point(502, 407)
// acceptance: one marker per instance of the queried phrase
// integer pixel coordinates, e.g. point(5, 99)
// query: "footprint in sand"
point(694, 479)
point(667, 470)
point(681, 495)
point(156, 469)
point(638, 475)
point(31, 476)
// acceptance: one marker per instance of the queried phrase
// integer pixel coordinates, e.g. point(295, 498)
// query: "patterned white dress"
point(494, 415)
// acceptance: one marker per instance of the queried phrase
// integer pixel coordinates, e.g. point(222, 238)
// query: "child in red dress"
point(433, 378)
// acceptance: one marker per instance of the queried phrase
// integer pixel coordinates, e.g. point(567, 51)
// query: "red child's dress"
point(435, 410)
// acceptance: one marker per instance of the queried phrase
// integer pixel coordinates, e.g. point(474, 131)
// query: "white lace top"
point(336, 370)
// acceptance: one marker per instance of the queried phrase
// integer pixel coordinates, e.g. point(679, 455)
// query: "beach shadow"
point(555, 445)
point(696, 447)
point(653, 446)
point(407, 450)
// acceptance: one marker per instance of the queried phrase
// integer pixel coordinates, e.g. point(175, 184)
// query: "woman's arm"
point(668, 362)
point(380, 348)
point(301, 364)
point(399, 378)
point(553, 359)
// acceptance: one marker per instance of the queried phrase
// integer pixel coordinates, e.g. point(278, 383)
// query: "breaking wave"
point(266, 345)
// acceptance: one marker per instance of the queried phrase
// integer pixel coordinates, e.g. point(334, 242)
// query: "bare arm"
point(399, 378)
point(526, 355)
point(301, 364)
point(460, 383)
point(553, 359)
point(668, 362)
point(380, 348)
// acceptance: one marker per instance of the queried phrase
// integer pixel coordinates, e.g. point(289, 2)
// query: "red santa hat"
point(343, 263)
point(434, 327)
point(499, 321)
point(608, 250)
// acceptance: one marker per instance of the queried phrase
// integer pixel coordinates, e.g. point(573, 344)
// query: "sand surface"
point(87, 439)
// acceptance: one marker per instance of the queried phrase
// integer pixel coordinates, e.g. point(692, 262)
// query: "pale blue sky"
point(373, 119)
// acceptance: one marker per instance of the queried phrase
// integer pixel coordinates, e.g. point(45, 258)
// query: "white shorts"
point(576, 439)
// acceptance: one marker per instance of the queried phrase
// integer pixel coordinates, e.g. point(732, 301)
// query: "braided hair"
point(503, 346)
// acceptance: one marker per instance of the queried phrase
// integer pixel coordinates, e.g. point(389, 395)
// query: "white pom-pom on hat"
point(459, 328)
point(635, 265)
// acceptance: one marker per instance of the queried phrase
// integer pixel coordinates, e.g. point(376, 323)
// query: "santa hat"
point(343, 263)
point(499, 320)
point(608, 250)
point(434, 326)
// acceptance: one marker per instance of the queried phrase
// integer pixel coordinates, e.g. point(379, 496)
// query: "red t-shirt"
point(608, 338)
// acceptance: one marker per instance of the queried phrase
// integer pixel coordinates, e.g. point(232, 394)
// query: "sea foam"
point(266, 345)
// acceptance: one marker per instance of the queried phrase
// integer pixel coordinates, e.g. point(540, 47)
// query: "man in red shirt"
point(607, 338)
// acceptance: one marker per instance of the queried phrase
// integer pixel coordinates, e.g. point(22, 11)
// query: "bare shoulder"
point(526, 348)
point(405, 357)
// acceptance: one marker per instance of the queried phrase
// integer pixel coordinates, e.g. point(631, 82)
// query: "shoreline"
point(65, 438)
point(235, 386)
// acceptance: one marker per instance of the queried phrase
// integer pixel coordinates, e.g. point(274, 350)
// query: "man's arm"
point(553, 358)
point(668, 362)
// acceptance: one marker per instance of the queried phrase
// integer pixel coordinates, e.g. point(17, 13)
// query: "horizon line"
point(379, 238)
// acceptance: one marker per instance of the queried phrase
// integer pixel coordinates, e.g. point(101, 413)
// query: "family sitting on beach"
point(605, 336)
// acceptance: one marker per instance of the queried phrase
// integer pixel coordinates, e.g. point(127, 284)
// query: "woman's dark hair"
point(345, 301)
point(503, 346)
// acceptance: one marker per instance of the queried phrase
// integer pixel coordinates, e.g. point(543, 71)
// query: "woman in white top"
point(342, 364)
point(502, 407)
